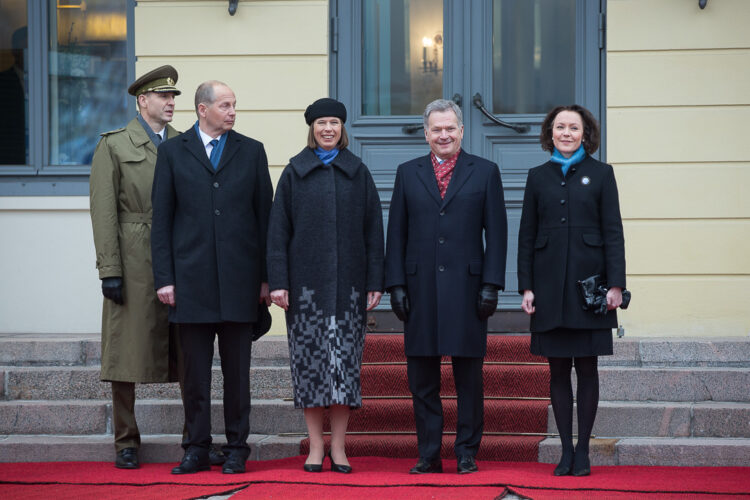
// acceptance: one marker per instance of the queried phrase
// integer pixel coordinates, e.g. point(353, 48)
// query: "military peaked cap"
point(161, 79)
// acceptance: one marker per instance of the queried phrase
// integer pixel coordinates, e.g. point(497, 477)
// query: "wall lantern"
point(233, 7)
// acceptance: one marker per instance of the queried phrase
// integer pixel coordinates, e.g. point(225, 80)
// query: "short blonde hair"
point(342, 144)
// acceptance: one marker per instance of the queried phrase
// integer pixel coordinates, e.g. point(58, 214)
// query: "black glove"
point(400, 302)
point(487, 301)
point(112, 289)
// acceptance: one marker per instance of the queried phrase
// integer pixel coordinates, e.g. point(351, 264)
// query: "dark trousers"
point(424, 382)
point(123, 416)
point(197, 342)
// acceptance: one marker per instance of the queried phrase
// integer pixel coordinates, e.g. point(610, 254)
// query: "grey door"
point(507, 62)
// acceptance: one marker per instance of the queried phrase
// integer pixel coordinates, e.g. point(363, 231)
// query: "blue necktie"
point(214, 157)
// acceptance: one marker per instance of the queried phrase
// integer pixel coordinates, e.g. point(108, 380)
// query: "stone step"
point(154, 449)
point(82, 382)
point(667, 419)
point(85, 350)
point(677, 451)
point(617, 383)
point(154, 416)
point(626, 383)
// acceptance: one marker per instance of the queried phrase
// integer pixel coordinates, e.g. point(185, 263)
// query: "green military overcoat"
point(135, 335)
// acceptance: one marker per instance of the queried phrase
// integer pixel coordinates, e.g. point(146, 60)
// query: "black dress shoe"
point(565, 467)
point(466, 465)
point(425, 466)
point(234, 465)
point(344, 469)
point(581, 464)
point(192, 463)
point(216, 457)
point(127, 459)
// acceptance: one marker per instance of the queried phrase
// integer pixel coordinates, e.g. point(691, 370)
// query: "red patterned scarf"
point(444, 171)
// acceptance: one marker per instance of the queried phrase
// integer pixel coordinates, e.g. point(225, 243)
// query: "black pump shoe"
point(565, 466)
point(314, 467)
point(344, 469)
point(581, 464)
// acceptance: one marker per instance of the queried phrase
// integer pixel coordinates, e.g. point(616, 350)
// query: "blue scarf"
point(219, 147)
point(326, 156)
point(566, 163)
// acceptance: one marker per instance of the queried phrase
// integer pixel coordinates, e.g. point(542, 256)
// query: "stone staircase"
point(670, 402)
point(54, 408)
point(663, 402)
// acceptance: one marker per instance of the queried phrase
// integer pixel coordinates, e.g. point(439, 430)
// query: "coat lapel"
point(230, 148)
point(427, 175)
point(461, 174)
point(193, 143)
point(139, 137)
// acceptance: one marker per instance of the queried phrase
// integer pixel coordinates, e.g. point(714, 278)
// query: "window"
point(64, 68)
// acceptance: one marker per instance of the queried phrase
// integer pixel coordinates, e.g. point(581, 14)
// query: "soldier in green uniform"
point(136, 344)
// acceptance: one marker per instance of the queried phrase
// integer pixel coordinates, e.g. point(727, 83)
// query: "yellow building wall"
point(273, 54)
point(678, 109)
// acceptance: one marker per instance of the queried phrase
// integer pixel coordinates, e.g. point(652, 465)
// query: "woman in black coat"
point(325, 268)
point(570, 230)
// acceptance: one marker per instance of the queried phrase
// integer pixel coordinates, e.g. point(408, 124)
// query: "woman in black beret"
point(571, 230)
point(325, 269)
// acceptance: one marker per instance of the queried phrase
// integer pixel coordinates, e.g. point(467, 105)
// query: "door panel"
point(522, 57)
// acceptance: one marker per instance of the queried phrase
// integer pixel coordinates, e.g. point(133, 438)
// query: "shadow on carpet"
point(373, 478)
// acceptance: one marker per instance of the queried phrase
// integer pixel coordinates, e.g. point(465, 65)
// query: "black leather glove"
point(487, 301)
point(112, 289)
point(400, 302)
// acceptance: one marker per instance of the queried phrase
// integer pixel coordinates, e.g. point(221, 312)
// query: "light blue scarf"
point(566, 163)
point(326, 156)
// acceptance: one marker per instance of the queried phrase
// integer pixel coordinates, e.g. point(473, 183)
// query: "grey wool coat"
point(325, 246)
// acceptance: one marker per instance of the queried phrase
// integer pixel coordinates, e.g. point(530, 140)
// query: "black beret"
point(161, 79)
point(325, 107)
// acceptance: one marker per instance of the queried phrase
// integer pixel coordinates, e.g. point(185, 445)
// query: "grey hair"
point(205, 94)
point(442, 105)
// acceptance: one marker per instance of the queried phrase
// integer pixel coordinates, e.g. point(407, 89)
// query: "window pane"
point(87, 76)
point(14, 99)
point(402, 55)
point(533, 55)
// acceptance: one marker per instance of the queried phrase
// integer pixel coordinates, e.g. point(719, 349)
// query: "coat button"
point(441, 268)
point(562, 183)
point(563, 220)
point(442, 212)
point(562, 202)
point(217, 211)
point(216, 184)
point(441, 240)
point(573, 169)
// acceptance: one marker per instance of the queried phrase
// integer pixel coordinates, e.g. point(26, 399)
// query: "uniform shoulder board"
point(105, 134)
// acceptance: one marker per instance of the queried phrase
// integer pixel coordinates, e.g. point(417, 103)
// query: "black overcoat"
point(325, 246)
point(570, 229)
point(209, 227)
point(442, 250)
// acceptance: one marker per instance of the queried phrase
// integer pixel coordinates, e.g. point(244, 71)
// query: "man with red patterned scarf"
point(445, 262)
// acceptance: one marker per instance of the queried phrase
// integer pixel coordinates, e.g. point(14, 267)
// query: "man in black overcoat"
point(211, 198)
point(445, 262)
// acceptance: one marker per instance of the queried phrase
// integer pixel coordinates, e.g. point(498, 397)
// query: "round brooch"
point(585, 181)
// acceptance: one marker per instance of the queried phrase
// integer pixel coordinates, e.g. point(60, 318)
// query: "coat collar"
point(461, 174)
point(194, 144)
point(574, 170)
point(140, 138)
point(307, 161)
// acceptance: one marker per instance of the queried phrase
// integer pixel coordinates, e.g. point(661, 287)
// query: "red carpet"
point(516, 388)
point(373, 477)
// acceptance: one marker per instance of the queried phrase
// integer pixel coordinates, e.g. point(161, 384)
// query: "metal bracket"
point(702, 3)
point(233, 7)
